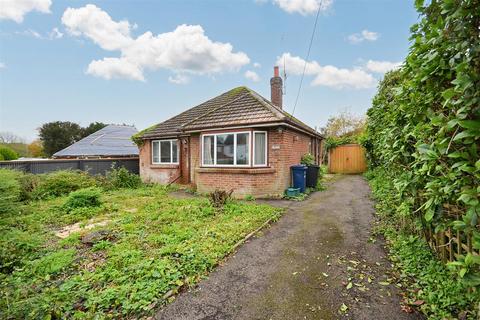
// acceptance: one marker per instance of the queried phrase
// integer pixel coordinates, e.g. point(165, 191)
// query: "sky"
point(141, 62)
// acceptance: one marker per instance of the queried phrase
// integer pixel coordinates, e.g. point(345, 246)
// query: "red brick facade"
point(285, 148)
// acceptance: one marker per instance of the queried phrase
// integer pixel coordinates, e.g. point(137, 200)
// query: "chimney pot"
point(276, 87)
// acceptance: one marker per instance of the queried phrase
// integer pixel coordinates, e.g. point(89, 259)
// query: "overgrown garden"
point(83, 247)
point(422, 141)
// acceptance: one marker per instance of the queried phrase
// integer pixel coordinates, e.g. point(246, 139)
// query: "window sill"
point(238, 170)
point(164, 166)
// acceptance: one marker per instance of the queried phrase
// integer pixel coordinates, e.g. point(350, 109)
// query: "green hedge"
point(423, 129)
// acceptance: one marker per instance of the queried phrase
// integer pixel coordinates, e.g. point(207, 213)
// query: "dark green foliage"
point(88, 197)
point(7, 153)
point(9, 190)
point(423, 130)
point(426, 277)
point(58, 135)
point(92, 128)
point(122, 178)
point(61, 183)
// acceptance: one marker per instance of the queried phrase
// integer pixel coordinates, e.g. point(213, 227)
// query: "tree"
point(92, 127)
point(344, 124)
point(35, 149)
point(7, 154)
point(58, 135)
point(9, 137)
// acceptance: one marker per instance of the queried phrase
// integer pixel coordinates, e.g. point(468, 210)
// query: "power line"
point(306, 59)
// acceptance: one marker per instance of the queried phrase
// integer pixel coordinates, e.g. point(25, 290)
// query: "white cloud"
point(96, 24)
point(55, 34)
point(257, 65)
point(329, 76)
point(115, 68)
point(184, 50)
point(304, 7)
point(52, 35)
point(16, 9)
point(252, 75)
point(2, 65)
point(381, 66)
point(30, 33)
point(365, 35)
point(179, 79)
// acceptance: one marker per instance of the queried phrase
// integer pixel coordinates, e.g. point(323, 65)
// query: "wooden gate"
point(349, 158)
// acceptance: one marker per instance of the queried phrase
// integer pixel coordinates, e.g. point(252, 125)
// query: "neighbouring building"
point(113, 141)
point(236, 140)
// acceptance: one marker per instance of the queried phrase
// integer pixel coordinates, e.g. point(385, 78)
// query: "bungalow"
point(237, 140)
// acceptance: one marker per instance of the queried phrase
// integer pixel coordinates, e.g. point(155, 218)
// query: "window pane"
point(155, 151)
point(165, 152)
point(208, 149)
point(242, 148)
point(260, 148)
point(225, 149)
point(175, 151)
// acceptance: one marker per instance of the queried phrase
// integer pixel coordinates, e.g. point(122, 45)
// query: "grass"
point(156, 245)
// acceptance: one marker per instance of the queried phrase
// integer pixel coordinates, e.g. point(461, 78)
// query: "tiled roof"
point(237, 107)
point(113, 140)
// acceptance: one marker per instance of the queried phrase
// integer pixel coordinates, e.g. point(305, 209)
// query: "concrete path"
point(319, 261)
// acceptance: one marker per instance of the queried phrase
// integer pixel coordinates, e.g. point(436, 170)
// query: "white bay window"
point(165, 152)
point(233, 149)
point(259, 148)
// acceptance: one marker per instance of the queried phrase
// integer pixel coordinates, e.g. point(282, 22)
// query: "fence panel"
point(92, 166)
point(349, 158)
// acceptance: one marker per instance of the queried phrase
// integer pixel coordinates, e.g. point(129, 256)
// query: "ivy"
point(424, 127)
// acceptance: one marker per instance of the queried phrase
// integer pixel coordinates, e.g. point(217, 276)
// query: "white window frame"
point(266, 149)
point(172, 141)
point(214, 135)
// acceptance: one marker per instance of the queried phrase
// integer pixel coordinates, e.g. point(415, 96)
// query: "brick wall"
point(285, 148)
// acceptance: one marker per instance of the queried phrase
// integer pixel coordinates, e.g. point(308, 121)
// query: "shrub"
point(89, 197)
point(219, 198)
point(122, 178)
point(61, 183)
point(7, 154)
point(28, 183)
point(249, 197)
point(9, 190)
point(308, 159)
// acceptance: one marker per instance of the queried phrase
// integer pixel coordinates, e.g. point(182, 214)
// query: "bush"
point(122, 178)
point(61, 183)
point(89, 197)
point(308, 159)
point(9, 190)
point(28, 183)
point(7, 154)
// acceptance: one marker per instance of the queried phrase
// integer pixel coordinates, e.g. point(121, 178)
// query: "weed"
point(89, 197)
point(219, 198)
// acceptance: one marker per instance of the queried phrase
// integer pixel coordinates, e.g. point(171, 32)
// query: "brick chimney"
point(276, 85)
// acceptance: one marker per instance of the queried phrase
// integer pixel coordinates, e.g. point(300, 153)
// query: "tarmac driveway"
point(319, 261)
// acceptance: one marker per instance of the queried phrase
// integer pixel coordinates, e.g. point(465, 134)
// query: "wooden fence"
point(349, 158)
point(92, 166)
point(450, 244)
